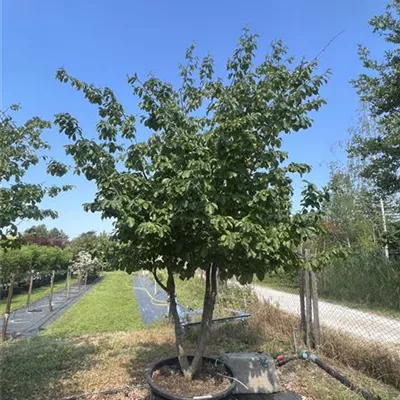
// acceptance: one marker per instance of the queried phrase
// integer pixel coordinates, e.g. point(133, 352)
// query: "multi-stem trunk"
point(182, 357)
point(191, 369)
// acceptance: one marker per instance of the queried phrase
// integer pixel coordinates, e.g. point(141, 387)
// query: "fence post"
point(68, 281)
point(28, 299)
point(302, 302)
point(308, 308)
point(8, 309)
point(314, 297)
point(51, 290)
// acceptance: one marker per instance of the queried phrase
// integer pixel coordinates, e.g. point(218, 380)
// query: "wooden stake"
point(28, 300)
point(51, 291)
point(308, 308)
point(302, 278)
point(295, 346)
point(314, 296)
point(68, 282)
point(8, 309)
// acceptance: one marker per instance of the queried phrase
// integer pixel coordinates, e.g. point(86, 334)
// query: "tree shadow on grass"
point(39, 368)
point(229, 338)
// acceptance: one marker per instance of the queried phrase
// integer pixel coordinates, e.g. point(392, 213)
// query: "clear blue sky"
point(100, 41)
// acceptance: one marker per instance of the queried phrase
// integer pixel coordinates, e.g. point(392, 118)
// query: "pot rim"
point(164, 393)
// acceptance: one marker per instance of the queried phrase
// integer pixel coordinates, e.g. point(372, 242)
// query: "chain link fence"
point(359, 312)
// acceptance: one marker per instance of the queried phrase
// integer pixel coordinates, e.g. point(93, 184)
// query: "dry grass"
point(51, 368)
point(134, 394)
point(378, 361)
point(374, 360)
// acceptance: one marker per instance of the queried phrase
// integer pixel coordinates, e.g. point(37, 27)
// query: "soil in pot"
point(208, 381)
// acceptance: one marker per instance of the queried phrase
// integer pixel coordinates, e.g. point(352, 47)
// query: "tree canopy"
point(211, 182)
point(22, 147)
point(211, 187)
point(379, 87)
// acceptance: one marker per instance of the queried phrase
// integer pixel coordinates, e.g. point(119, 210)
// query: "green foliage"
point(21, 147)
point(41, 259)
point(352, 216)
point(97, 245)
point(380, 89)
point(364, 278)
point(211, 184)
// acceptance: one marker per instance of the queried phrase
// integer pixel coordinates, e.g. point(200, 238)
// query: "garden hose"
point(305, 355)
point(153, 300)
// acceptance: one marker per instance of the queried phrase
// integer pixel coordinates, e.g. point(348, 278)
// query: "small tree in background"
point(211, 187)
point(21, 147)
point(43, 237)
point(85, 265)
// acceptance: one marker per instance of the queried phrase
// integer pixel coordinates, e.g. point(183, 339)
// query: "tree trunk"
point(190, 370)
point(314, 296)
point(28, 300)
point(210, 296)
point(51, 291)
point(8, 309)
point(182, 357)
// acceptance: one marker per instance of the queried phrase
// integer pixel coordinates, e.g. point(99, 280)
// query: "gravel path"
point(365, 325)
point(25, 324)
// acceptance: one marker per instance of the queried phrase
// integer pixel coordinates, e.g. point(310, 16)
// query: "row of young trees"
point(44, 250)
point(41, 259)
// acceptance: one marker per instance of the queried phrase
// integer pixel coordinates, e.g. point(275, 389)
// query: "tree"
point(380, 90)
point(211, 187)
point(84, 265)
point(91, 242)
point(22, 147)
point(352, 214)
point(41, 236)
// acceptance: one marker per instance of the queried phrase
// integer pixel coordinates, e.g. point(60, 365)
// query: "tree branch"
point(158, 280)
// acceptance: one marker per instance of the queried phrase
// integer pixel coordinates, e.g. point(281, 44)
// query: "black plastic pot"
point(158, 393)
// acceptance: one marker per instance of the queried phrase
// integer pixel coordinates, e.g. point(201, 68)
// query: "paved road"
point(362, 324)
point(25, 324)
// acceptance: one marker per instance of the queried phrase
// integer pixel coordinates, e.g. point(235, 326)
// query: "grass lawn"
point(109, 307)
point(19, 300)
